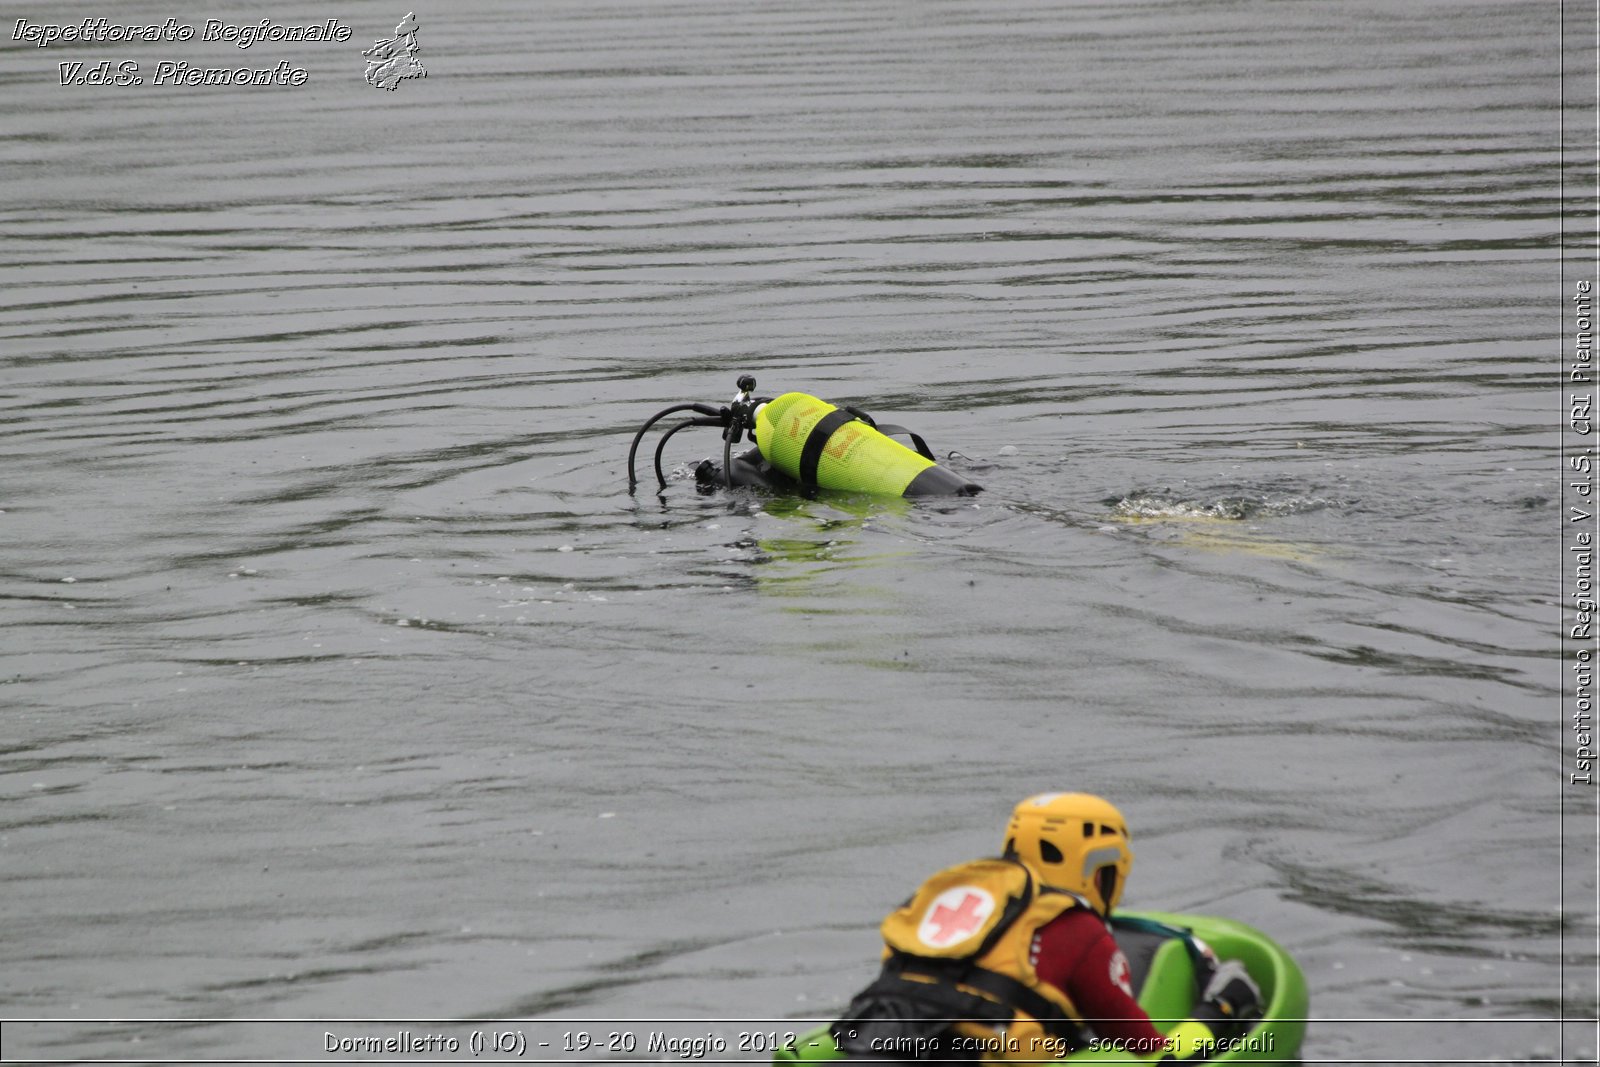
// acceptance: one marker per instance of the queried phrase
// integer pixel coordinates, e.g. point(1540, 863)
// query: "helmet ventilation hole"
point(1049, 852)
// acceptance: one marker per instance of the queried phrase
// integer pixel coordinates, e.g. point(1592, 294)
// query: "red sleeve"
point(1077, 954)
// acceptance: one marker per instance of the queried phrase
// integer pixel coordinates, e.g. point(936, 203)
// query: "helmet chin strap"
point(1105, 880)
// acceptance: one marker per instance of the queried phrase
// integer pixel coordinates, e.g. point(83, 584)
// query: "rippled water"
point(343, 678)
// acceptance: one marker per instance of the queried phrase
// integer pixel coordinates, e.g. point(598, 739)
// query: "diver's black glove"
point(1231, 1000)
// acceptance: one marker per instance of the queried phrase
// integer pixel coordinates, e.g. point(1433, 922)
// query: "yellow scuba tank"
point(819, 444)
point(800, 439)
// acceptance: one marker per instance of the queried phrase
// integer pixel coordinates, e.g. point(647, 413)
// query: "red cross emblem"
point(954, 914)
point(1121, 973)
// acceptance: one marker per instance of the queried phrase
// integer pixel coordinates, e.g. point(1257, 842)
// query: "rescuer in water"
point(1021, 949)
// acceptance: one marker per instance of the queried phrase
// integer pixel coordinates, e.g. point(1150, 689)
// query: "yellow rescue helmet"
point(1076, 842)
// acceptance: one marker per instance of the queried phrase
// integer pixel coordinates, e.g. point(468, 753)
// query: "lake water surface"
point(341, 677)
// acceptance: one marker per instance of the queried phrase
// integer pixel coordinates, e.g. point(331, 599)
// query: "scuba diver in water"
point(803, 444)
point(1020, 949)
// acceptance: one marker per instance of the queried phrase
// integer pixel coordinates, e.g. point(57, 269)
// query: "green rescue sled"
point(1164, 974)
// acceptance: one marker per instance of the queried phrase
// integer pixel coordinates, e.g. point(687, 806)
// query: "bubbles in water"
point(1167, 504)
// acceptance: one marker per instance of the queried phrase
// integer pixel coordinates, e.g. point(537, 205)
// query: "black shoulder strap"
point(1012, 911)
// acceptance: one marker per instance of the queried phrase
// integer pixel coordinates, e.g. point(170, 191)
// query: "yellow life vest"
point(962, 944)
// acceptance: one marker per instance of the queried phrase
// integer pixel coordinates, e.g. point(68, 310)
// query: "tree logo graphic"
point(392, 60)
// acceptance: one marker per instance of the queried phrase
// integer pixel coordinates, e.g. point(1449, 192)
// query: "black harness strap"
point(816, 441)
point(998, 991)
point(890, 430)
point(939, 1000)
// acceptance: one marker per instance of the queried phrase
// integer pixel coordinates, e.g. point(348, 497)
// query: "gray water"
point(342, 677)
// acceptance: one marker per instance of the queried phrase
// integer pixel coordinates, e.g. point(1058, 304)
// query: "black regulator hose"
point(719, 414)
point(661, 479)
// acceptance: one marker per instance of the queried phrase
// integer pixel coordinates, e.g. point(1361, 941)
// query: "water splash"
point(1159, 504)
